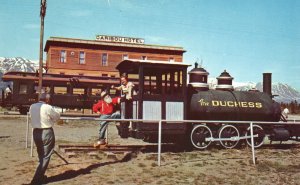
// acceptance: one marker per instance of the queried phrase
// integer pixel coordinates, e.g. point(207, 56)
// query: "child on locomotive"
point(127, 91)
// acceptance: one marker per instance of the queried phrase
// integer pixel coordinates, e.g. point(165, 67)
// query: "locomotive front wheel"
point(230, 134)
point(200, 135)
point(258, 141)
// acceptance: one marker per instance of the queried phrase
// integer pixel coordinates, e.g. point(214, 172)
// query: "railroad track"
point(72, 150)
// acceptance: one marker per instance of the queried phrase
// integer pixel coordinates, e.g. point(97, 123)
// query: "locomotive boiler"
point(232, 105)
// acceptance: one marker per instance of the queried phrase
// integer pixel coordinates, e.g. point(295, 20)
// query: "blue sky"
point(245, 37)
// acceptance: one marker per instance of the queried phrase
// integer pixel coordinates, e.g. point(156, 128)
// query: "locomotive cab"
point(161, 94)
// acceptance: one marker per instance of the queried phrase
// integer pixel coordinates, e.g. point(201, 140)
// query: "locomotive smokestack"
point(267, 83)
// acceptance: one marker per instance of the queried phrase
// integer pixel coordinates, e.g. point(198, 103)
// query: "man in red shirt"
point(105, 107)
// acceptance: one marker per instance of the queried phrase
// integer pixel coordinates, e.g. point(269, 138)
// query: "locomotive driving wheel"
point(200, 135)
point(229, 136)
point(259, 140)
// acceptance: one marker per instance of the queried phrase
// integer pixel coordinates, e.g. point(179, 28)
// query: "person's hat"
point(103, 94)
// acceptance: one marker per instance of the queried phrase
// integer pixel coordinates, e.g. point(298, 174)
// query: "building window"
point(171, 59)
point(125, 57)
point(104, 59)
point(80, 74)
point(105, 75)
point(61, 73)
point(81, 57)
point(63, 56)
point(144, 57)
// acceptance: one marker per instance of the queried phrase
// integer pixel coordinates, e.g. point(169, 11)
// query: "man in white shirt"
point(43, 116)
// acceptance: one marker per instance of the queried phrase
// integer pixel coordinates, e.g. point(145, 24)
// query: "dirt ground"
point(213, 166)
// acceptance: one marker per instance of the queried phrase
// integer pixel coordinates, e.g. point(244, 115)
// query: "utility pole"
point(42, 14)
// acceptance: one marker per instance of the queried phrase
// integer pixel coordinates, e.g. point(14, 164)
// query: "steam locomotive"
point(164, 94)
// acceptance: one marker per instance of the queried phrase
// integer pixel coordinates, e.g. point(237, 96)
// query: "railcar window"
point(46, 89)
point(78, 90)
point(96, 92)
point(23, 89)
point(60, 90)
point(172, 82)
point(152, 85)
point(133, 76)
point(112, 92)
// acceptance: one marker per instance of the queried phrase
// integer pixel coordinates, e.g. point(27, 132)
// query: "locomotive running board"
point(229, 139)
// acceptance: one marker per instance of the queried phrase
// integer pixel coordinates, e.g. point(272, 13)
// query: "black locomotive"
point(164, 94)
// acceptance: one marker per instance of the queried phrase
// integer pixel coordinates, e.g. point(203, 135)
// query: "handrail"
point(296, 122)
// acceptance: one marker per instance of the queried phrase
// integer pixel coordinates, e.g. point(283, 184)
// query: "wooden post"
point(42, 14)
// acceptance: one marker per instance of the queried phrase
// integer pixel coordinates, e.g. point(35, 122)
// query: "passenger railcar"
point(67, 91)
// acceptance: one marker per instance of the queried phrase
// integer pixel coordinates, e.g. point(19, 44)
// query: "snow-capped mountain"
point(17, 64)
point(284, 92)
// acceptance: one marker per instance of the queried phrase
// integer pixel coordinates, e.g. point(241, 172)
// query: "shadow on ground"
point(74, 173)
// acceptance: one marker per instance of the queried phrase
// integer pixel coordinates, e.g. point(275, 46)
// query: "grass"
point(201, 164)
point(141, 165)
point(153, 164)
point(276, 166)
point(77, 123)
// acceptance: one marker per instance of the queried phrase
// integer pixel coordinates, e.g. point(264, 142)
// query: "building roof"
point(132, 65)
point(101, 43)
point(156, 62)
point(48, 77)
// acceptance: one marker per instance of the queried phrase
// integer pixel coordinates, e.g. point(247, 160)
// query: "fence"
point(295, 122)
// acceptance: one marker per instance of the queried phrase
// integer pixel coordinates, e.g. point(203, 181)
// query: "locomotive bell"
point(198, 78)
point(224, 82)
